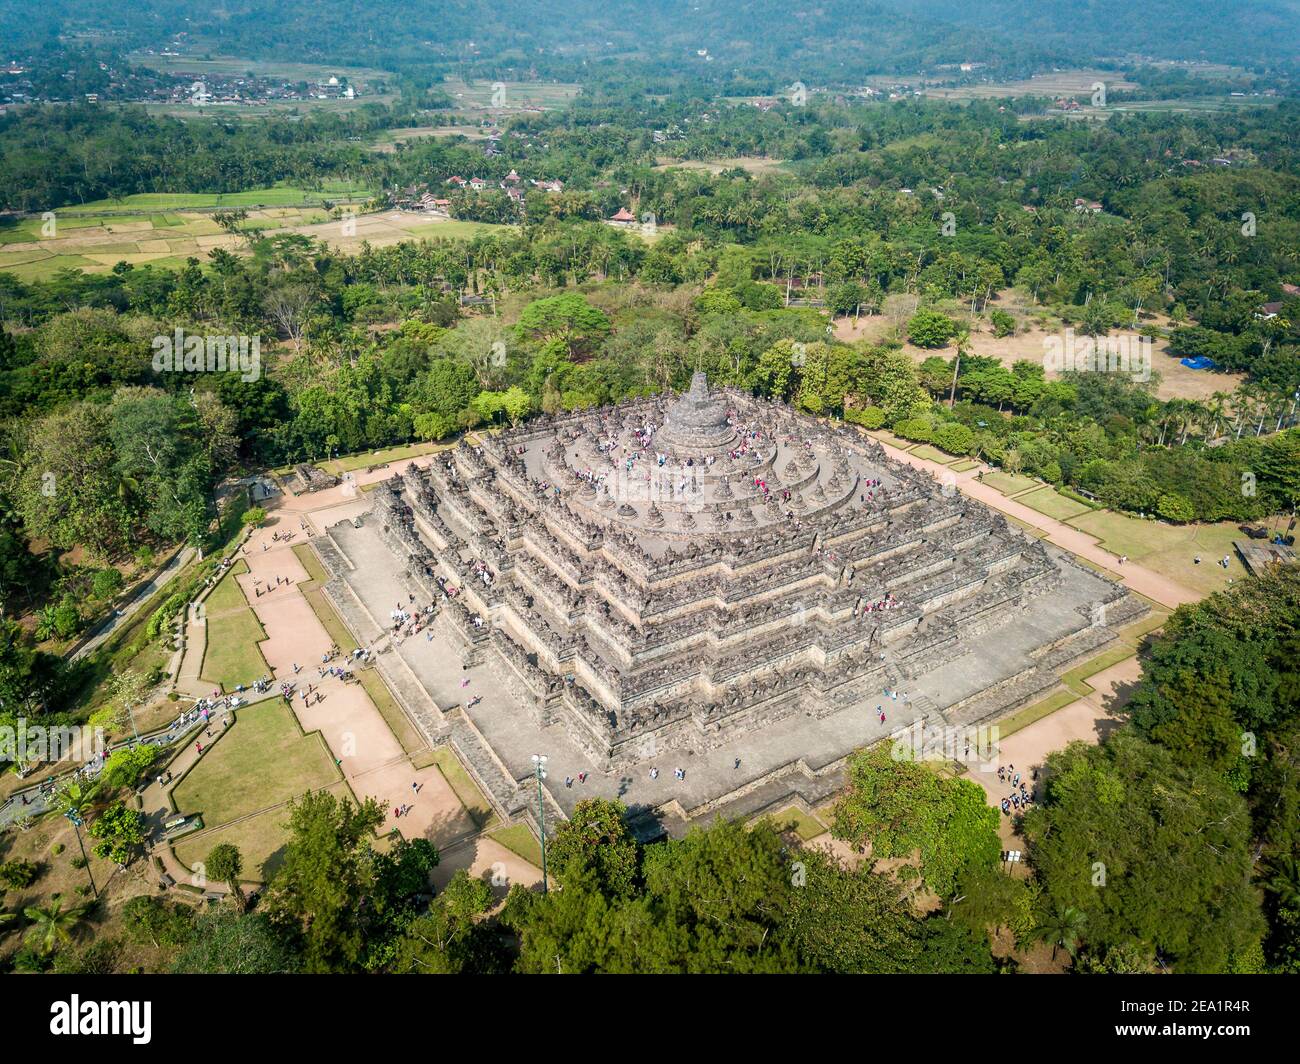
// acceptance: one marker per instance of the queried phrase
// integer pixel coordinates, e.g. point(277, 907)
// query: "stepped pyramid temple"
point(684, 581)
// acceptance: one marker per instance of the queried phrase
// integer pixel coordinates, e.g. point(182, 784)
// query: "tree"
point(120, 831)
point(900, 808)
point(127, 765)
point(850, 922)
point(453, 937)
point(156, 920)
point(568, 318)
point(929, 328)
point(1062, 927)
point(224, 942)
point(19, 873)
point(53, 925)
point(70, 493)
point(596, 841)
point(253, 516)
point(1149, 851)
point(225, 864)
point(328, 867)
point(1003, 323)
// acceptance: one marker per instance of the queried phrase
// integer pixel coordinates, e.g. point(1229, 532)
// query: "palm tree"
point(1062, 928)
point(53, 925)
point(6, 918)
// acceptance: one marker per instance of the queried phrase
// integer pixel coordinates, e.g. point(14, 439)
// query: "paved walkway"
point(116, 619)
point(1144, 581)
point(368, 754)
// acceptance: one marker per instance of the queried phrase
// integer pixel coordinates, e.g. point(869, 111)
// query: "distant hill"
point(747, 40)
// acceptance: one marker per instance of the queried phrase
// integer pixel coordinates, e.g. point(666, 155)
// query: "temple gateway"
point(706, 582)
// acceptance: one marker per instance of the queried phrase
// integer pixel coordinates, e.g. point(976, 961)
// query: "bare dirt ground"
point(754, 164)
point(1029, 342)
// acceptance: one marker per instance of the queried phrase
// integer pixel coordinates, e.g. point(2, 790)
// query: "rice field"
point(157, 234)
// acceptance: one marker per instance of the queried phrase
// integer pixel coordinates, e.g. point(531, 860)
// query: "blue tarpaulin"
point(1200, 362)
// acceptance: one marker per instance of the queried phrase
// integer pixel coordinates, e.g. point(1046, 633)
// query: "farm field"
point(388, 140)
point(518, 95)
point(1057, 83)
point(262, 68)
point(162, 235)
point(752, 164)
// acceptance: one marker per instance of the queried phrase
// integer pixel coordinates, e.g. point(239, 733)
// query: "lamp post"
point(539, 770)
point(75, 816)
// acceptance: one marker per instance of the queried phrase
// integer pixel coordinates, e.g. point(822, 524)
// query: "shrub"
point(107, 582)
point(1175, 507)
point(1003, 323)
point(254, 516)
point(869, 417)
point(19, 874)
point(915, 428)
point(954, 438)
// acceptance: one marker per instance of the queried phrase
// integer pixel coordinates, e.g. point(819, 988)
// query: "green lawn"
point(1025, 717)
point(454, 230)
point(263, 759)
point(260, 839)
point(231, 654)
point(805, 826)
point(478, 807)
point(20, 232)
point(1076, 678)
point(1009, 483)
point(45, 268)
point(1052, 503)
point(352, 462)
point(1170, 550)
point(228, 595)
point(933, 454)
point(520, 840)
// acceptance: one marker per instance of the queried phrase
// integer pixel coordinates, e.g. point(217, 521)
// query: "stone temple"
point(684, 581)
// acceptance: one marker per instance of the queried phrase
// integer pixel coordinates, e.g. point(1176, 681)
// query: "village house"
point(624, 219)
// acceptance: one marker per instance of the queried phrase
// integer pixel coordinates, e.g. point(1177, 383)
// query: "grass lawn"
point(1170, 550)
point(266, 745)
point(805, 826)
point(963, 465)
point(46, 268)
point(389, 454)
point(260, 839)
point(520, 840)
point(1025, 717)
point(314, 594)
point(466, 789)
point(1076, 678)
point(278, 196)
point(398, 722)
point(1049, 501)
point(316, 573)
point(933, 454)
point(231, 654)
point(228, 595)
point(1009, 483)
